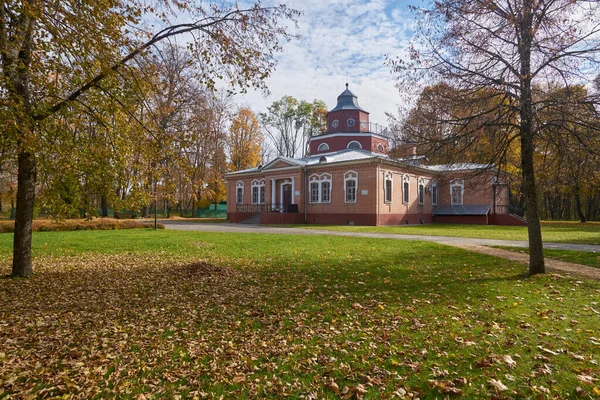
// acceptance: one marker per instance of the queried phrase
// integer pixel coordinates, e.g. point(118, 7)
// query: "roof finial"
point(346, 85)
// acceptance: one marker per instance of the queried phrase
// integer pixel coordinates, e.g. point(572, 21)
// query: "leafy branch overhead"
point(497, 59)
point(54, 53)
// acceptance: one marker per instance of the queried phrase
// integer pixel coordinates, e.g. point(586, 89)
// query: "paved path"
point(245, 228)
point(471, 244)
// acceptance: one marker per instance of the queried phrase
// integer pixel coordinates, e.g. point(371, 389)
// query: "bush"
point(103, 224)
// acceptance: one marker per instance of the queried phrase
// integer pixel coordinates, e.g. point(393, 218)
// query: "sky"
point(342, 41)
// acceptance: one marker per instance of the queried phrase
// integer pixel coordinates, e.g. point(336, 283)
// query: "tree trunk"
point(578, 204)
point(534, 229)
point(26, 177)
point(104, 206)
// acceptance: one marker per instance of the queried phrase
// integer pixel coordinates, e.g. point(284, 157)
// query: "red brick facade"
point(348, 179)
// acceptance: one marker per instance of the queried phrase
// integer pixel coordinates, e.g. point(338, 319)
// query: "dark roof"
point(472, 209)
point(347, 101)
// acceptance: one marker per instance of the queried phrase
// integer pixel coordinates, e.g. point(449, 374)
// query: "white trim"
point(319, 179)
point(354, 141)
point(351, 176)
point(461, 184)
point(434, 193)
point(421, 191)
point(388, 177)
point(273, 191)
point(323, 147)
point(258, 183)
point(239, 185)
point(405, 193)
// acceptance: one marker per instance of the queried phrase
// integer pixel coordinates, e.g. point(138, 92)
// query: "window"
point(354, 145)
point(457, 192)
point(325, 192)
point(323, 147)
point(351, 122)
point(335, 123)
point(380, 148)
point(405, 189)
point(314, 192)
point(421, 189)
point(434, 193)
point(388, 188)
point(239, 192)
point(258, 191)
point(320, 188)
point(350, 186)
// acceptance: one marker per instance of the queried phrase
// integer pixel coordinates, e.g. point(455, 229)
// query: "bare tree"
point(506, 49)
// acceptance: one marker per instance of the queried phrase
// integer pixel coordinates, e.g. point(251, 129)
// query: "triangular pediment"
point(280, 162)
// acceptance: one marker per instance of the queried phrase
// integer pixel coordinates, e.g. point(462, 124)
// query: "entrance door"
point(287, 197)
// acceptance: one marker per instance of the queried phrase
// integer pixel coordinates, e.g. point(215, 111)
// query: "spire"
point(347, 101)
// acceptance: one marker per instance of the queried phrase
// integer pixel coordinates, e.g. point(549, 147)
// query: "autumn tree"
point(53, 53)
point(567, 150)
point(244, 141)
point(506, 47)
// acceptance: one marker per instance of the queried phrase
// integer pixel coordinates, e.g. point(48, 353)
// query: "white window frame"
point(421, 191)
point(405, 189)
point(314, 192)
point(457, 183)
point(323, 198)
point(380, 148)
point(319, 181)
point(387, 196)
point(239, 199)
point(354, 141)
point(350, 176)
point(323, 147)
point(434, 193)
point(258, 191)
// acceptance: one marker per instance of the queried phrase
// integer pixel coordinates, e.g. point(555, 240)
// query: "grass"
point(559, 232)
point(578, 257)
point(123, 313)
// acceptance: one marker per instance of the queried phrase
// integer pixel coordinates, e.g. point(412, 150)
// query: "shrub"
point(103, 224)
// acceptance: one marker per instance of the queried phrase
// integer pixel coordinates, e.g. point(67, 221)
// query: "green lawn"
point(559, 232)
point(578, 257)
point(123, 313)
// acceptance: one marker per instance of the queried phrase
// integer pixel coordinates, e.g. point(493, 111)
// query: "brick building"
point(349, 179)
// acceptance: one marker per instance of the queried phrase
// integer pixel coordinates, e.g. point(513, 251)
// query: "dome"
point(347, 101)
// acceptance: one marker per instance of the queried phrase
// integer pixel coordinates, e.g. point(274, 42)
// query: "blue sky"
point(342, 40)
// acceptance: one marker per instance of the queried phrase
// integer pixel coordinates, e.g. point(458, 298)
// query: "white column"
point(293, 190)
point(273, 191)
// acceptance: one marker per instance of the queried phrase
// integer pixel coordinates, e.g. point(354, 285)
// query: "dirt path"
point(551, 264)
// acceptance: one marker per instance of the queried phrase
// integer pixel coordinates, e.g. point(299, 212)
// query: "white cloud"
point(341, 39)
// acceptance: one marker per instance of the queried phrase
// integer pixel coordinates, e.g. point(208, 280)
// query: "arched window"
point(354, 145)
point(258, 191)
point(323, 147)
point(387, 187)
point(405, 189)
point(350, 186)
point(421, 191)
point(239, 192)
point(457, 189)
point(434, 193)
point(380, 148)
point(320, 188)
